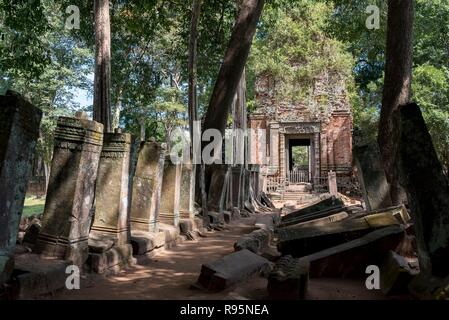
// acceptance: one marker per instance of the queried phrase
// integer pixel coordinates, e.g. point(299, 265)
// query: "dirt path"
point(169, 274)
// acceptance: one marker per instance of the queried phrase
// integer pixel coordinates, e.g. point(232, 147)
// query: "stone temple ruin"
point(322, 126)
point(113, 201)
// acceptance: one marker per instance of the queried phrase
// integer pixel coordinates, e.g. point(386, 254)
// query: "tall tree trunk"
point(193, 44)
point(397, 83)
point(102, 81)
point(233, 64)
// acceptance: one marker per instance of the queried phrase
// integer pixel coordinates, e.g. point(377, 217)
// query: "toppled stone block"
point(144, 242)
point(396, 273)
point(352, 258)
point(304, 240)
point(328, 203)
point(289, 279)
point(323, 221)
point(34, 276)
point(231, 269)
point(257, 241)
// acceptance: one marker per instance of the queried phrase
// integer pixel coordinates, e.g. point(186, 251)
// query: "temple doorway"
point(299, 159)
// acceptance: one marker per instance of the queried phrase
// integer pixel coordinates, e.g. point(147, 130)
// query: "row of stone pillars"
point(104, 200)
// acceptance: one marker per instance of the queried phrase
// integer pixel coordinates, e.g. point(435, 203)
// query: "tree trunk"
point(397, 83)
point(233, 64)
point(193, 44)
point(102, 81)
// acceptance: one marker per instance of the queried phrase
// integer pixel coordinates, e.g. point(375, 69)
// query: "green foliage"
point(292, 48)
point(431, 92)
point(47, 67)
point(300, 156)
point(430, 70)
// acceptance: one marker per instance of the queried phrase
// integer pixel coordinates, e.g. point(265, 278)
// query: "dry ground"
point(170, 274)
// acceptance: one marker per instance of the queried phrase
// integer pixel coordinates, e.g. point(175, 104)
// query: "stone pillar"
point(187, 192)
point(254, 178)
point(236, 185)
point(427, 187)
point(19, 131)
point(67, 215)
point(147, 187)
point(217, 183)
point(371, 176)
point(316, 157)
point(332, 180)
point(282, 161)
point(170, 195)
point(110, 226)
point(274, 144)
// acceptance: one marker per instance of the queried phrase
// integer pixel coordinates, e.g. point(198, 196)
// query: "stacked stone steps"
point(300, 197)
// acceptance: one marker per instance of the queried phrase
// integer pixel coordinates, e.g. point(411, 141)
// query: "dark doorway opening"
point(299, 160)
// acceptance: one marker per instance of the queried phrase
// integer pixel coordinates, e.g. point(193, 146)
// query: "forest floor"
point(171, 272)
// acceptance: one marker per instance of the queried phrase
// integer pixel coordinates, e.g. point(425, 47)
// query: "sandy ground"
point(170, 274)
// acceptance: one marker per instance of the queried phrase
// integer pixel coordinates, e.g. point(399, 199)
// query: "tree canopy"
point(295, 41)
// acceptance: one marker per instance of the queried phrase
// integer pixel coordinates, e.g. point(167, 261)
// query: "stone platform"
point(35, 277)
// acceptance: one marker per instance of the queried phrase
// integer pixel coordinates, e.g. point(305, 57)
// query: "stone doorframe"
point(310, 130)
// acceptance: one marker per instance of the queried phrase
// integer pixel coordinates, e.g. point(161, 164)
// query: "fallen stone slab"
point(352, 258)
point(289, 279)
point(300, 241)
point(256, 241)
point(396, 273)
point(34, 277)
point(399, 212)
point(327, 203)
point(323, 221)
point(143, 242)
point(231, 269)
point(313, 216)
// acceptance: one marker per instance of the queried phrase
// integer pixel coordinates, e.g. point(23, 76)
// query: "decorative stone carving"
point(67, 215)
point(19, 131)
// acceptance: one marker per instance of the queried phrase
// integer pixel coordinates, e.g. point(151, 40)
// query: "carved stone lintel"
point(300, 128)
